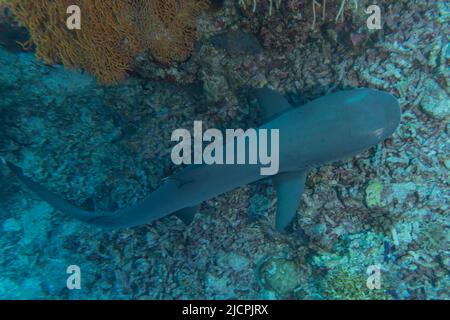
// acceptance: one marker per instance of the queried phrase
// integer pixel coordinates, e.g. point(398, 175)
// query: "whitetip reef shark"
point(332, 128)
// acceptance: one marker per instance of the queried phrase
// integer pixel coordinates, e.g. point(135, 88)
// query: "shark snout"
point(379, 113)
point(391, 111)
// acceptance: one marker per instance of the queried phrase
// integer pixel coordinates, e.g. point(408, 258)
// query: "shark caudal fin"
point(50, 198)
point(147, 210)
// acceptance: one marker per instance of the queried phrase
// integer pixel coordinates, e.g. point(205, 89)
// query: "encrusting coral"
point(173, 27)
point(342, 284)
point(112, 34)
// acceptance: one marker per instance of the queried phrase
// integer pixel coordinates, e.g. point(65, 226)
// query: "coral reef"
point(373, 194)
point(281, 276)
point(253, 4)
point(171, 27)
point(340, 284)
point(318, 11)
point(107, 147)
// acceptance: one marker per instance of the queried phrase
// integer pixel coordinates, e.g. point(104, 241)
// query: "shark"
point(327, 130)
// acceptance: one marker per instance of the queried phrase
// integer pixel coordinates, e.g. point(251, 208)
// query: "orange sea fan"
point(113, 32)
point(105, 46)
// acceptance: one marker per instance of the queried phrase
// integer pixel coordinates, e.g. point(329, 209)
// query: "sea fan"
point(113, 32)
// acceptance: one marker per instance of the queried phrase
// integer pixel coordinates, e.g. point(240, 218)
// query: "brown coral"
point(105, 46)
point(171, 26)
point(113, 32)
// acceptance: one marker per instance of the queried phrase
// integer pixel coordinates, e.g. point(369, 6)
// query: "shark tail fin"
point(47, 196)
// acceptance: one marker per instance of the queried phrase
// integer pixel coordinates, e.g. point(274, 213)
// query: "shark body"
point(329, 129)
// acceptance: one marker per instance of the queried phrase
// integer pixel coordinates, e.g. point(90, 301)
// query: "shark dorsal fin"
point(289, 186)
point(271, 103)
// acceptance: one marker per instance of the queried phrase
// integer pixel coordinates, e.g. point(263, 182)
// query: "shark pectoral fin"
point(289, 186)
point(187, 214)
point(272, 103)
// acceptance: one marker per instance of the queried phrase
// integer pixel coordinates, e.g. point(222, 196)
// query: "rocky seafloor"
point(107, 147)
